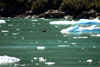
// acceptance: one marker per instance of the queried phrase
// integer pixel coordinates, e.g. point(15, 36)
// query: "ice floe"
point(35, 20)
point(81, 21)
point(49, 63)
point(2, 21)
point(7, 59)
point(89, 60)
point(62, 45)
point(41, 47)
point(42, 59)
point(4, 31)
point(98, 35)
point(84, 37)
point(80, 29)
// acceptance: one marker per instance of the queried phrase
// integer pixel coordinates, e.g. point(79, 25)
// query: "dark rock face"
point(67, 14)
point(53, 14)
point(88, 14)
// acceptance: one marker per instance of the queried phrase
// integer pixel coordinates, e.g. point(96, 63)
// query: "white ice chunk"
point(17, 29)
point(98, 35)
point(2, 21)
point(4, 31)
point(62, 45)
point(10, 24)
point(14, 33)
point(34, 20)
point(89, 60)
point(42, 59)
point(40, 47)
point(6, 59)
point(35, 58)
point(49, 63)
point(81, 21)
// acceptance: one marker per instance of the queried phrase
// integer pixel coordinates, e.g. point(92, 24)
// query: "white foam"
point(40, 47)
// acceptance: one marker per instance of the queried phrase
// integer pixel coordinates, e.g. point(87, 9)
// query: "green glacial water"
point(23, 39)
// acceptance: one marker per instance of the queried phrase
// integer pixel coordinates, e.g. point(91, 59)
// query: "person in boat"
point(44, 30)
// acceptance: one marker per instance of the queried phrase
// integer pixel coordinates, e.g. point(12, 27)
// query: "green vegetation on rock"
point(51, 4)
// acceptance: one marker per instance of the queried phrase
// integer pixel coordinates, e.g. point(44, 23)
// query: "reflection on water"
point(23, 38)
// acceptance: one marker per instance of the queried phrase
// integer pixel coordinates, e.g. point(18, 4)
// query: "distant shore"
point(67, 14)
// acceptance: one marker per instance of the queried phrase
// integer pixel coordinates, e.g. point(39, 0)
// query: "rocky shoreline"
point(67, 14)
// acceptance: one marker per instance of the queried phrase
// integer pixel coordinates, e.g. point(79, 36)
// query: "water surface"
point(21, 38)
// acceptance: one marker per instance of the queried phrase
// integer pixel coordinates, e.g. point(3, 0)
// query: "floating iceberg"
point(81, 21)
point(6, 59)
point(80, 29)
point(2, 21)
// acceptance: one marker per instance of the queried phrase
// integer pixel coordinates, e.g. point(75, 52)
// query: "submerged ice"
point(80, 29)
point(81, 21)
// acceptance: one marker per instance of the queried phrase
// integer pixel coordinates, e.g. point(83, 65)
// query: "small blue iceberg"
point(81, 21)
point(80, 29)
